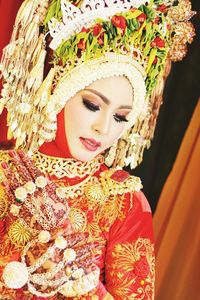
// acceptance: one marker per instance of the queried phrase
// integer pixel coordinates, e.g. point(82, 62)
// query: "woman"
point(71, 226)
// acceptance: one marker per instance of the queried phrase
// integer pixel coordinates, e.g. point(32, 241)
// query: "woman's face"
point(96, 116)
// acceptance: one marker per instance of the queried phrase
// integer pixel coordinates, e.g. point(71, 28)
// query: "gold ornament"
point(112, 187)
point(3, 203)
point(111, 155)
point(19, 234)
point(66, 167)
point(78, 219)
point(94, 193)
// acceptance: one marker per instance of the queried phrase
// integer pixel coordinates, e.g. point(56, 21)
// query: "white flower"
point(21, 193)
point(30, 187)
point(14, 209)
point(41, 181)
point(69, 255)
point(44, 236)
point(15, 275)
point(60, 242)
point(60, 192)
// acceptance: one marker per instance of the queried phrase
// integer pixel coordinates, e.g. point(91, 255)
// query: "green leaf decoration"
point(136, 34)
point(151, 58)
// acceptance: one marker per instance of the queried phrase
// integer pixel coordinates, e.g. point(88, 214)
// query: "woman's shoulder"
point(119, 182)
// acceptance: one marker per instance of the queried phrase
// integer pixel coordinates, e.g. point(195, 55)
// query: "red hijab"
point(58, 147)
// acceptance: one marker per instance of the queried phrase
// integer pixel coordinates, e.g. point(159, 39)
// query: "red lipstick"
point(90, 144)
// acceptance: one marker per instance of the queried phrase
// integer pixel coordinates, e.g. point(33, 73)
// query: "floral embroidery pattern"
point(131, 270)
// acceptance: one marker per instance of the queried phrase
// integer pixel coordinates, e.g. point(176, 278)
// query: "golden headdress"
point(89, 40)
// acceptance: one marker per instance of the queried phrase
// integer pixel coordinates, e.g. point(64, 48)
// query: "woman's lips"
point(90, 144)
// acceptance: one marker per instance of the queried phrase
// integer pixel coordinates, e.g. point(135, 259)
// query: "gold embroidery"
point(108, 297)
point(111, 210)
point(3, 203)
point(133, 270)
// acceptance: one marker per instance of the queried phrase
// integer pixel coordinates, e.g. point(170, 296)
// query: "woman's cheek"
point(115, 133)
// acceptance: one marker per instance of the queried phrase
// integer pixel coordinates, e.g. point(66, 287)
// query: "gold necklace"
point(66, 167)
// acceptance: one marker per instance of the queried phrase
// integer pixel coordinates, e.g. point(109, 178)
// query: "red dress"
point(121, 222)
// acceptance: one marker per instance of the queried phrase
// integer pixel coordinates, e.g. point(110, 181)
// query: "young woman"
point(72, 228)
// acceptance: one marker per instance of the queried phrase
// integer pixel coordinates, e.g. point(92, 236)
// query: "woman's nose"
point(102, 125)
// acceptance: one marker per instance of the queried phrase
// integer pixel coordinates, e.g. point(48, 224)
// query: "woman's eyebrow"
point(106, 100)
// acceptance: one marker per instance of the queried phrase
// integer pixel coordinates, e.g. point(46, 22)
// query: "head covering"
point(59, 146)
point(90, 40)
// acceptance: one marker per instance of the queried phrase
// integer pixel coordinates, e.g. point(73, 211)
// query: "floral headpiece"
point(89, 40)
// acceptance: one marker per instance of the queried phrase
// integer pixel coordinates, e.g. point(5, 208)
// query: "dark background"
point(180, 97)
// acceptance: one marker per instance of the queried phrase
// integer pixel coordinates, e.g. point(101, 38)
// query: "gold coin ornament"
point(94, 193)
point(19, 234)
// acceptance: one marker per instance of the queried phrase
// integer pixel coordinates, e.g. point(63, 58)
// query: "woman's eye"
point(120, 118)
point(89, 105)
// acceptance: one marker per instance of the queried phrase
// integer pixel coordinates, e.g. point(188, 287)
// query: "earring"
point(111, 154)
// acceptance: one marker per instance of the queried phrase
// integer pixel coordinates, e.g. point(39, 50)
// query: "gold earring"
point(111, 155)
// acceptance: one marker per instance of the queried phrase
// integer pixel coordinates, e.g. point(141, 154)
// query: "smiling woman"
point(74, 224)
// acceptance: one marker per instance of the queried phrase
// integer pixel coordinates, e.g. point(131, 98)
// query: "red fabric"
point(58, 147)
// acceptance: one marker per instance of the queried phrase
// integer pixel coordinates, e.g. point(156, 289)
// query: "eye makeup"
point(90, 105)
point(120, 118)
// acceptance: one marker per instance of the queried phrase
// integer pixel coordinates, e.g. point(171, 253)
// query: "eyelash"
point(119, 118)
point(89, 105)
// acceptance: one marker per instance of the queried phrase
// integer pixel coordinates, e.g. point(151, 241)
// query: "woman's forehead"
point(116, 89)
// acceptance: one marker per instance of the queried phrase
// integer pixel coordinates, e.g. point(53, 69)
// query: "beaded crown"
point(85, 40)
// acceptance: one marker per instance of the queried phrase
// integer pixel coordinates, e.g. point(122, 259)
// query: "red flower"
point(156, 20)
point(141, 267)
point(155, 61)
point(119, 176)
point(141, 18)
point(168, 26)
point(81, 45)
point(158, 42)
point(162, 8)
point(84, 29)
point(101, 39)
point(119, 21)
point(97, 29)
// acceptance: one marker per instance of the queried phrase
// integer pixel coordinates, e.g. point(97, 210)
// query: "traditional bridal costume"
point(54, 209)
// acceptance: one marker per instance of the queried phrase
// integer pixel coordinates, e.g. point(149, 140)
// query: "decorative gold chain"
point(66, 167)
